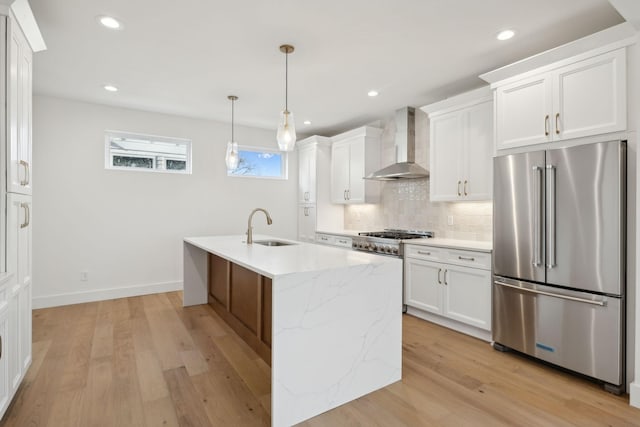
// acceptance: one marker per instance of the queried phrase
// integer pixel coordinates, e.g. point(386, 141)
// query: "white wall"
point(125, 228)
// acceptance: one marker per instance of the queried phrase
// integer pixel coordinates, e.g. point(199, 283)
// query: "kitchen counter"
point(336, 318)
point(471, 245)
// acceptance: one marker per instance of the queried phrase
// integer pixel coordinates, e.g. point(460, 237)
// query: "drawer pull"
point(445, 277)
point(439, 281)
point(463, 258)
point(342, 241)
point(424, 253)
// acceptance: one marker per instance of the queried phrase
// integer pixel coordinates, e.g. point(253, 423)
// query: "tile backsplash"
point(405, 204)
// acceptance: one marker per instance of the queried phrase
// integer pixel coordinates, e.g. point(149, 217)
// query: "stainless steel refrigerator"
point(559, 258)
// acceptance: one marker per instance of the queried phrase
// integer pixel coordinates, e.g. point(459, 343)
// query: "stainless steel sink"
point(272, 243)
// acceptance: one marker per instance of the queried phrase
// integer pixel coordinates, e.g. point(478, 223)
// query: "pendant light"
point(286, 127)
point(232, 158)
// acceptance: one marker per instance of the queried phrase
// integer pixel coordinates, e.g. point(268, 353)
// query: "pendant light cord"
point(286, 82)
point(232, 102)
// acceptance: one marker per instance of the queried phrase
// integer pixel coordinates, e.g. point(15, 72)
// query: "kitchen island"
point(335, 322)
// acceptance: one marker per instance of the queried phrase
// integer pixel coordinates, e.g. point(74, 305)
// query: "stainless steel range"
point(387, 242)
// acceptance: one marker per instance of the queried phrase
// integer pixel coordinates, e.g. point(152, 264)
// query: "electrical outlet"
point(84, 276)
point(450, 220)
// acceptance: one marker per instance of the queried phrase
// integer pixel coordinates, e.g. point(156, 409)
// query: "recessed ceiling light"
point(307, 122)
point(372, 93)
point(110, 88)
point(505, 35)
point(110, 22)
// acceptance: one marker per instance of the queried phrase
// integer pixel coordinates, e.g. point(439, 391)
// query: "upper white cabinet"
point(19, 100)
point(354, 155)
point(461, 147)
point(583, 98)
point(307, 173)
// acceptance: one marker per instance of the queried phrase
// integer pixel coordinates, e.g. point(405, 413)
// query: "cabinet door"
point(423, 285)
point(4, 366)
point(19, 112)
point(11, 348)
point(524, 111)
point(590, 97)
point(356, 189)
point(467, 297)
point(446, 141)
point(307, 175)
point(339, 172)
point(478, 152)
point(19, 256)
point(307, 223)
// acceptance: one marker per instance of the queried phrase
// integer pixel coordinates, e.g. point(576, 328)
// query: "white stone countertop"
point(472, 245)
point(272, 261)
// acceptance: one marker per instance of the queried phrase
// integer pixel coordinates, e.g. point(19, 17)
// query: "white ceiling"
point(184, 57)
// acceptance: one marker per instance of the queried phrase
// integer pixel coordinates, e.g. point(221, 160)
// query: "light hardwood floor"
point(147, 361)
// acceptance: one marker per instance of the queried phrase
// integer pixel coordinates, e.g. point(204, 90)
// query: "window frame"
point(108, 156)
point(284, 167)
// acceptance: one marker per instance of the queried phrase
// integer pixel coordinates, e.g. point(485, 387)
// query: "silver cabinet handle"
point(459, 194)
point(439, 271)
point(445, 277)
point(349, 194)
point(465, 187)
point(557, 124)
point(546, 125)
point(551, 216)
point(342, 241)
point(549, 294)
point(344, 194)
point(537, 214)
point(424, 253)
point(26, 180)
point(25, 206)
point(306, 195)
point(464, 258)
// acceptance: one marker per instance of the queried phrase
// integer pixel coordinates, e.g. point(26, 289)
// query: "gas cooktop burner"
point(398, 234)
point(387, 242)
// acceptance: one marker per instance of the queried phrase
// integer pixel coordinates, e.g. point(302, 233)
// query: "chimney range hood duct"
point(405, 141)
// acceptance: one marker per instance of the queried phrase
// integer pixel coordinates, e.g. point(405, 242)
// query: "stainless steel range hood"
point(405, 141)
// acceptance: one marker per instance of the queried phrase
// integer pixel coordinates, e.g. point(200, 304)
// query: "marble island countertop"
point(273, 261)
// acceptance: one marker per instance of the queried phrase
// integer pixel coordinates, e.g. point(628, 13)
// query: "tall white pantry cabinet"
point(15, 202)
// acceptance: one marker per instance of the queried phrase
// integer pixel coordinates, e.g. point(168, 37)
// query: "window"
point(128, 151)
point(258, 162)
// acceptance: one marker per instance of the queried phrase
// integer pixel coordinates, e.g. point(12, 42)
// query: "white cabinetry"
point(569, 100)
point(314, 190)
point(4, 359)
point(334, 240)
point(453, 284)
point(19, 99)
point(461, 147)
point(355, 154)
point(15, 200)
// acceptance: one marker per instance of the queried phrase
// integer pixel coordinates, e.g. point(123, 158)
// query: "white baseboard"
point(634, 394)
point(104, 294)
point(451, 324)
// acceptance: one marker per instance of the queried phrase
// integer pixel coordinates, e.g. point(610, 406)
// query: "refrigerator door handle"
point(551, 206)
point(537, 213)
point(550, 294)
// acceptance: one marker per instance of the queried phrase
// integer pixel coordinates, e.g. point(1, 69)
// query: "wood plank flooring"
point(147, 361)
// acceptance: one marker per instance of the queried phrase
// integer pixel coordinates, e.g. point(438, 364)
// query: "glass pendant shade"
point(232, 158)
point(286, 131)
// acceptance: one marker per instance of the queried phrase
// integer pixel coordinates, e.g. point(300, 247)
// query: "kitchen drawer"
point(428, 253)
point(342, 241)
point(325, 239)
point(468, 258)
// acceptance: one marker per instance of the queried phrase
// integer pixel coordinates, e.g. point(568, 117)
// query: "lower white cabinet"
point(452, 283)
point(334, 240)
point(307, 223)
point(4, 359)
